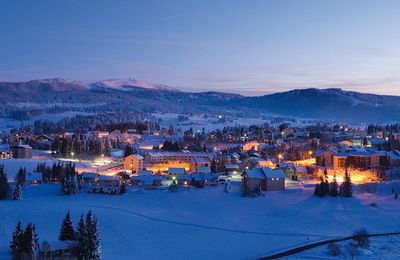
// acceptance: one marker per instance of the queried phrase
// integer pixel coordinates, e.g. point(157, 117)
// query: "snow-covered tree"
point(30, 241)
point(67, 232)
point(93, 237)
point(17, 192)
point(17, 240)
point(21, 176)
point(81, 237)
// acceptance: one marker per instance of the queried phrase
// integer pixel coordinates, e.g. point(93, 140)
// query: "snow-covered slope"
point(127, 84)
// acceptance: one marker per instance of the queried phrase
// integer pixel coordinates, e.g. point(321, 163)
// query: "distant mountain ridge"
point(130, 94)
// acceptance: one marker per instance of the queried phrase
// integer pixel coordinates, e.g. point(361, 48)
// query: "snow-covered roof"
point(255, 173)
point(89, 175)
point(108, 178)
point(176, 170)
point(231, 166)
point(300, 169)
point(203, 169)
point(273, 173)
point(183, 176)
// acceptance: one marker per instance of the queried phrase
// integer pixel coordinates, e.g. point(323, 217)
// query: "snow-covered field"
point(197, 122)
point(202, 223)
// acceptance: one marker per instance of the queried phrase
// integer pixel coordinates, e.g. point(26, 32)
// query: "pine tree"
point(93, 237)
point(17, 192)
point(4, 186)
point(333, 187)
point(17, 240)
point(81, 237)
point(30, 241)
point(67, 232)
point(346, 187)
point(21, 176)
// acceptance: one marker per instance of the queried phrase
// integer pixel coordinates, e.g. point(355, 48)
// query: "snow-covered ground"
point(202, 223)
point(197, 122)
point(6, 124)
point(380, 248)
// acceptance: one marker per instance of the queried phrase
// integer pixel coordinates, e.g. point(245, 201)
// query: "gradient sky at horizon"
point(247, 47)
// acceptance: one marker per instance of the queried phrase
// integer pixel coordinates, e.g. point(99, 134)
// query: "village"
point(264, 158)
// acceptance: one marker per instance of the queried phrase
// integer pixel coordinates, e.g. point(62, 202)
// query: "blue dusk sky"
point(248, 47)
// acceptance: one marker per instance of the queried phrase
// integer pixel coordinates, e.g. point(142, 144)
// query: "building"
point(263, 179)
point(133, 163)
point(21, 151)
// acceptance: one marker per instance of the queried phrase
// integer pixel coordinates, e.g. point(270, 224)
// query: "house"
point(21, 151)
point(275, 179)
point(109, 181)
point(231, 169)
point(253, 180)
point(33, 178)
point(265, 179)
point(182, 179)
point(300, 172)
point(203, 170)
point(89, 177)
point(148, 181)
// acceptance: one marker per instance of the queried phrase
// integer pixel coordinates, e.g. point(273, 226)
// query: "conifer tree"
point(17, 240)
point(4, 186)
point(30, 241)
point(67, 232)
point(346, 187)
point(17, 192)
point(21, 176)
point(93, 237)
point(333, 187)
point(81, 237)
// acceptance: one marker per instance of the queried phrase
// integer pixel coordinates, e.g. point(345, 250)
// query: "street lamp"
point(280, 157)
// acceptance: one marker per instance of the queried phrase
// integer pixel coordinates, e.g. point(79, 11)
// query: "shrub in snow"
point(373, 204)
point(45, 250)
point(352, 248)
point(334, 249)
point(361, 236)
